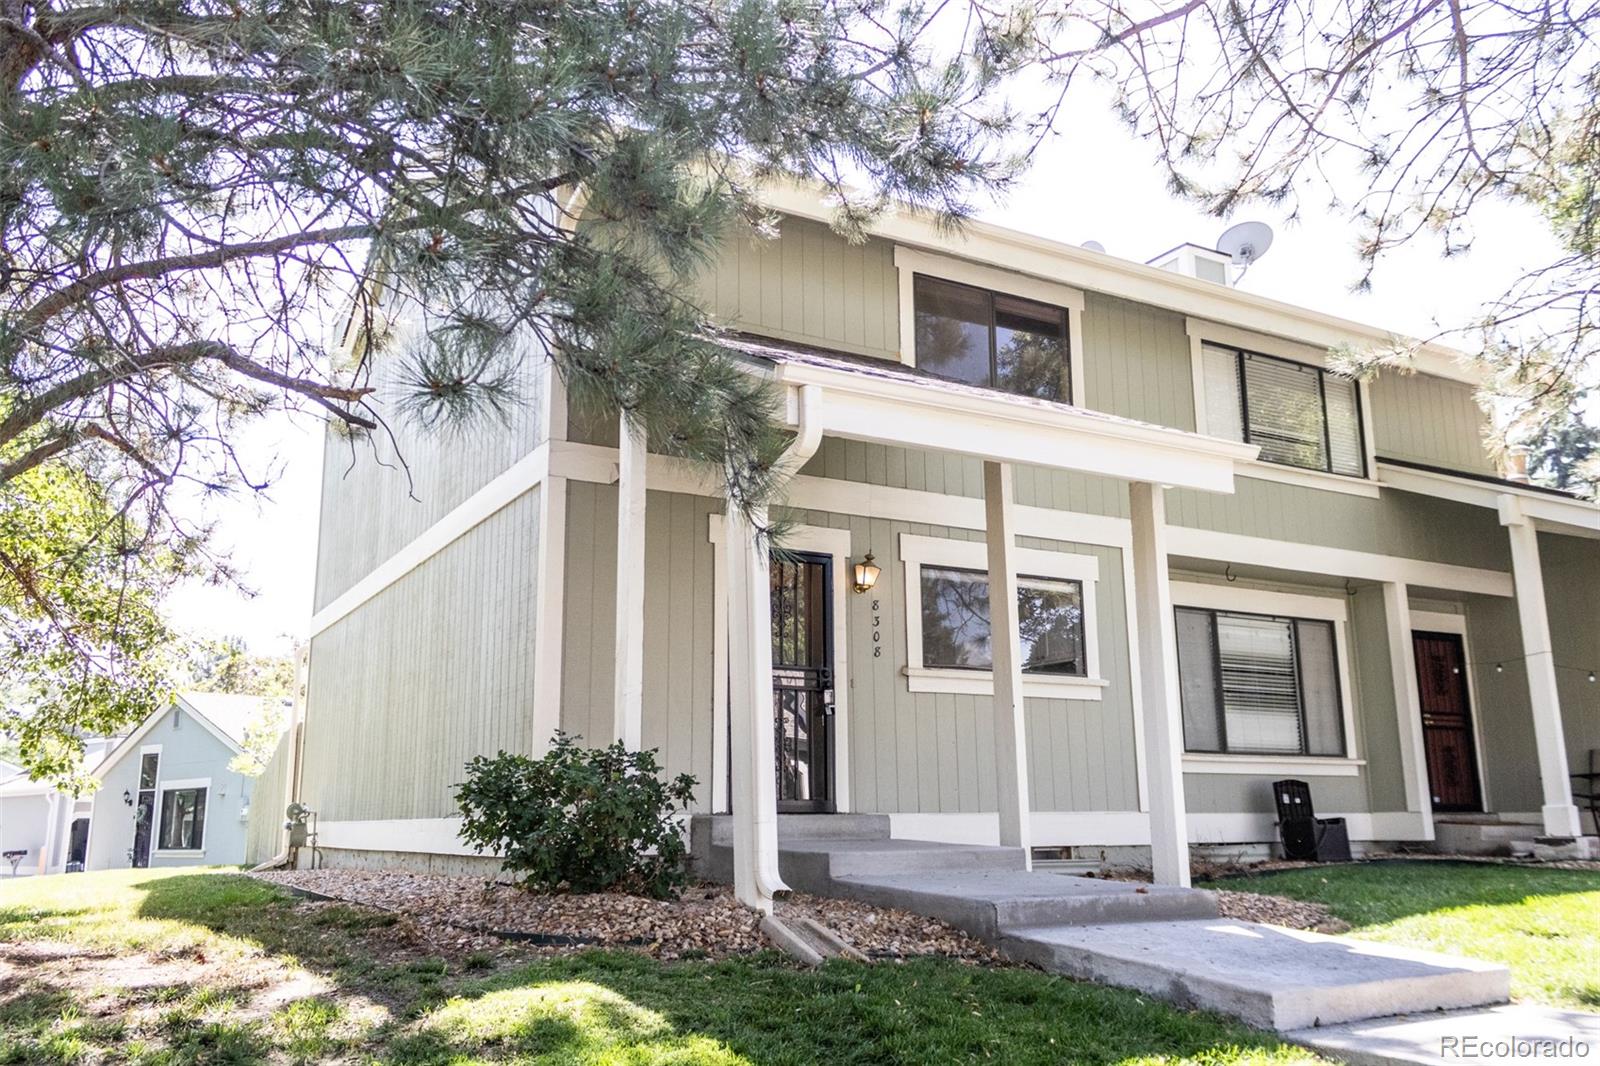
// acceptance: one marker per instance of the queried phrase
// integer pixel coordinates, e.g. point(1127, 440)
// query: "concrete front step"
point(1270, 977)
point(989, 903)
point(1477, 837)
point(816, 865)
point(1515, 1032)
point(719, 827)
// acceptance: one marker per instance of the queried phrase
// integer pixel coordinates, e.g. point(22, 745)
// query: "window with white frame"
point(948, 636)
point(183, 816)
point(973, 335)
point(1259, 684)
point(1299, 415)
point(955, 622)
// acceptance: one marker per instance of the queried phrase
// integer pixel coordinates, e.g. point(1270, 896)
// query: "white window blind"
point(1259, 685)
point(1260, 696)
point(1224, 414)
point(1284, 411)
point(1344, 426)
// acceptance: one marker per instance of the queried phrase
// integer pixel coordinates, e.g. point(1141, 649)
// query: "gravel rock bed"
point(706, 922)
point(1278, 910)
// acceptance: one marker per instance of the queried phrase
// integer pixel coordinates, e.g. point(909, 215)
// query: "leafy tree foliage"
point(81, 640)
point(192, 190)
point(226, 664)
point(261, 736)
point(579, 819)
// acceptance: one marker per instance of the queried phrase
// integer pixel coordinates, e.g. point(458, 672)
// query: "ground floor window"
point(955, 622)
point(1257, 684)
point(183, 818)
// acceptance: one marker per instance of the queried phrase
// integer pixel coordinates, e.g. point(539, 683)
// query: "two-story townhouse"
point(1213, 565)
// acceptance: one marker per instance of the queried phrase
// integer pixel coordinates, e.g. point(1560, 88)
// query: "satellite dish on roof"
point(1094, 246)
point(1245, 242)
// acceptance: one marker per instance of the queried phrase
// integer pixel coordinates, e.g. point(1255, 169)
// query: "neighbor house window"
point(955, 622)
point(183, 819)
point(991, 339)
point(1299, 415)
point(1258, 684)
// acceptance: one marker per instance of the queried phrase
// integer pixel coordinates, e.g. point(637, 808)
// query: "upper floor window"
point(1299, 415)
point(988, 338)
point(1259, 684)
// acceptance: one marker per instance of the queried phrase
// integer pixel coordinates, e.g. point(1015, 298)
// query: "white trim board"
point(1550, 513)
point(919, 551)
point(429, 836)
point(1010, 429)
point(1132, 828)
point(837, 496)
point(520, 477)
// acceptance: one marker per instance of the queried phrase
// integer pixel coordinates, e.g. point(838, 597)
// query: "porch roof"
point(875, 400)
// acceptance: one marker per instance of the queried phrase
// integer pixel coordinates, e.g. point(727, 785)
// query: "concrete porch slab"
point(1270, 977)
point(1515, 1032)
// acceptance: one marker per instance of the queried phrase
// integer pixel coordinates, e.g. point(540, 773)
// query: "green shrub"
point(579, 819)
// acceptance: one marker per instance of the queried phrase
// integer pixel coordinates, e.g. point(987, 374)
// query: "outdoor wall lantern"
point(127, 798)
point(866, 574)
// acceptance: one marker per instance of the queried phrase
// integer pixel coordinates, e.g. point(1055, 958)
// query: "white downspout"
point(756, 876)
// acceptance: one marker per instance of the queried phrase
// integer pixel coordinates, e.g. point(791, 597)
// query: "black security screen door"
point(802, 679)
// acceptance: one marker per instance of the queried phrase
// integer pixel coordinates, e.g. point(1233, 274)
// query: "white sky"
point(1094, 181)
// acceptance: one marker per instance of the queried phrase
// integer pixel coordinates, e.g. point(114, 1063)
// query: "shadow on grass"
point(600, 1007)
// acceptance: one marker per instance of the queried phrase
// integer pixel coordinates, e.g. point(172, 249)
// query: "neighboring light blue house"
point(166, 797)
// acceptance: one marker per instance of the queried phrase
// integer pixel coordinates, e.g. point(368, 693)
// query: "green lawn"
point(210, 967)
point(1544, 924)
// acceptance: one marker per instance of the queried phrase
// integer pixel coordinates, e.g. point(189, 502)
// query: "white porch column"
point(1162, 711)
point(752, 762)
point(629, 687)
point(1560, 815)
point(1010, 723)
point(1403, 676)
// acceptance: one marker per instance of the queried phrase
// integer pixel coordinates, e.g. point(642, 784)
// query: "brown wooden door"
point(1447, 721)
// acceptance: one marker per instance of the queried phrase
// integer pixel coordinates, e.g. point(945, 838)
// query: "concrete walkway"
point(1167, 942)
point(1512, 1033)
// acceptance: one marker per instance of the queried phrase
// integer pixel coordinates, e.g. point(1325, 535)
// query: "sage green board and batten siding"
point(809, 285)
point(679, 586)
point(1396, 523)
point(1429, 420)
point(1136, 362)
point(375, 502)
point(435, 669)
point(928, 752)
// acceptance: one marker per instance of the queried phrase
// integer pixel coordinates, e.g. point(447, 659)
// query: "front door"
point(78, 844)
point(144, 811)
point(1447, 721)
point(802, 679)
